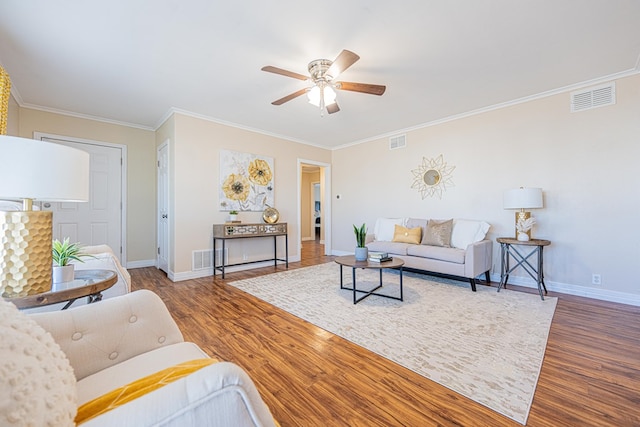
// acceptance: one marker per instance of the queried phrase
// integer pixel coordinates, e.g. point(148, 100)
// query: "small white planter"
point(63, 274)
point(362, 254)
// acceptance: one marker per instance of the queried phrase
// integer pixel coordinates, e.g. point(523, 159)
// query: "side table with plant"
point(63, 253)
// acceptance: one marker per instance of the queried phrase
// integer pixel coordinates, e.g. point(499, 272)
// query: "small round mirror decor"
point(270, 215)
point(431, 177)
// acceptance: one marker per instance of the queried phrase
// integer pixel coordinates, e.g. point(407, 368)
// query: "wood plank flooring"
point(309, 377)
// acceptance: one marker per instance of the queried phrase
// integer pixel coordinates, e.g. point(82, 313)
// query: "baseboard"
point(141, 264)
point(187, 275)
point(577, 290)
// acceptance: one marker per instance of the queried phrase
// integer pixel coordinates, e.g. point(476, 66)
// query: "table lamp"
point(34, 170)
point(522, 198)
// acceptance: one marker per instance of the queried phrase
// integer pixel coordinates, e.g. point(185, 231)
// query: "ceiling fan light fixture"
point(315, 97)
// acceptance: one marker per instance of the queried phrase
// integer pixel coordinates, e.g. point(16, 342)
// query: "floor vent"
point(594, 97)
point(202, 260)
point(396, 142)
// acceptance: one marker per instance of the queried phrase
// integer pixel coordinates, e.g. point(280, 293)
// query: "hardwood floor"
point(309, 377)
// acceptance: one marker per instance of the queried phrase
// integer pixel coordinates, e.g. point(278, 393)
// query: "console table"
point(227, 231)
point(508, 250)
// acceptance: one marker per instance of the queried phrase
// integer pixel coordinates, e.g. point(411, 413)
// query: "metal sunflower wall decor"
point(432, 177)
point(246, 181)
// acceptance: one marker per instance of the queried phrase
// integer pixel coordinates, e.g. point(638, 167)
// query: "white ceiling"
point(136, 61)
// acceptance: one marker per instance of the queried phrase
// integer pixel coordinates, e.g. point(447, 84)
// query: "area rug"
point(485, 345)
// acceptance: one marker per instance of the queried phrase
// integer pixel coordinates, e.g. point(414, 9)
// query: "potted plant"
point(233, 215)
point(63, 253)
point(361, 251)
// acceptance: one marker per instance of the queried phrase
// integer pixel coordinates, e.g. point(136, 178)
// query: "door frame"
point(325, 202)
point(123, 182)
point(160, 147)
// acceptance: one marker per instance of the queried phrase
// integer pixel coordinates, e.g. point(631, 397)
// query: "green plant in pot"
point(233, 215)
point(361, 252)
point(63, 253)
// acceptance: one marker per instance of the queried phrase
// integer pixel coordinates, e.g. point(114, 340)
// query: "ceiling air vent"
point(396, 142)
point(594, 97)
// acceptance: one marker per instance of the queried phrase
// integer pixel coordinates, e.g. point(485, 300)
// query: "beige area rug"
point(485, 345)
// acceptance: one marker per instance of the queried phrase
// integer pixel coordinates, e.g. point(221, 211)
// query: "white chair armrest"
point(100, 335)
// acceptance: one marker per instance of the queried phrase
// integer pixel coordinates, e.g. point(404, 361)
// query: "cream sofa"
point(117, 341)
point(464, 253)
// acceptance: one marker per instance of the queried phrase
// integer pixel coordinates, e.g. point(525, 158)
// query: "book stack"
point(379, 257)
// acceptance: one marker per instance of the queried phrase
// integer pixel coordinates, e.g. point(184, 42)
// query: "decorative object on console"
point(270, 215)
point(361, 252)
point(246, 181)
point(35, 170)
point(523, 227)
point(233, 216)
point(523, 198)
point(63, 253)
point(432, 177)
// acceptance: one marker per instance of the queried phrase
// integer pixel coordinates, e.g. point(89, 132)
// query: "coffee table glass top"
point(86, 283)
point(350, 261)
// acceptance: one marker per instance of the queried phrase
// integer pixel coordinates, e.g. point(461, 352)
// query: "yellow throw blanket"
point(138, 388)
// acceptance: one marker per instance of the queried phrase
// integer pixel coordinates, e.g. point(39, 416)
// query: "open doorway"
point(314, 205)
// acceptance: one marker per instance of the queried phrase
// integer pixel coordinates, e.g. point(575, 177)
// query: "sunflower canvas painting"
point(246, 181)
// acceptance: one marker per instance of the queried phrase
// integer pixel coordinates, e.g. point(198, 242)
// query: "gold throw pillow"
point(407, 235)
point(438, 233)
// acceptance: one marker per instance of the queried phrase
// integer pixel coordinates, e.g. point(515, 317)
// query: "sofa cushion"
point(438, 233)
point(384, 228)
point(454, 255)
point(418, 222)
point(466, 232)
point(407, 235)
point(394, 248)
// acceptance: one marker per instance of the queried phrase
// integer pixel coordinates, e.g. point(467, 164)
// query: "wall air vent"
point(396, 142)
point(594, 97)
point(202, 260)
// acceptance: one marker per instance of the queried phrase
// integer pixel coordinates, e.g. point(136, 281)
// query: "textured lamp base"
point(522, 215)
point(25, 253)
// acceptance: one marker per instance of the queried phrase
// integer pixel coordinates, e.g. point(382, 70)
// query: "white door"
point(163, 207)
point(98, 221)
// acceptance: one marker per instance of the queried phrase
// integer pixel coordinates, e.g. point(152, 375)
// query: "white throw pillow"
point(385, 227)
point(38, 387)
point(466, 232)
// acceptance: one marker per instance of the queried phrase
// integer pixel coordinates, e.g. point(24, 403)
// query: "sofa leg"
point(486, 275)
point(473, 283)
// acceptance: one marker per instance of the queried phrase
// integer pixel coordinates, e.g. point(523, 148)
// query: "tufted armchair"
point(120, 340)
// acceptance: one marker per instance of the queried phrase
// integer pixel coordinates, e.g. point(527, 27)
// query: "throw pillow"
point(36, 378)
point(407, 235)
point(439, 233)
point(385, 228)
point(466, 232)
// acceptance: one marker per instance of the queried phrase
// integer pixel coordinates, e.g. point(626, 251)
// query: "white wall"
point(586, 164)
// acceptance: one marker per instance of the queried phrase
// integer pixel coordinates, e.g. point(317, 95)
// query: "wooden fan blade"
point(333, 108)
point(361, 87)
point(345, 60)
point(282, 72)
point(289, 97)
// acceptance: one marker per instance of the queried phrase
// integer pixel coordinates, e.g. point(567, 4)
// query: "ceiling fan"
point(323, 74)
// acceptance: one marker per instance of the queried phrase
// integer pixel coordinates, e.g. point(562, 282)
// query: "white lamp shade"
point(39, 170)
point(523, 198)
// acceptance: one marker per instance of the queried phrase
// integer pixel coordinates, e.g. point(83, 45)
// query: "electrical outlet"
point(596, 279)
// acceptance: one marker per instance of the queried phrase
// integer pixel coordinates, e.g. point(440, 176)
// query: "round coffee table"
point(350, 261)
point(86, 283)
